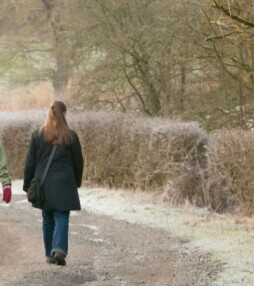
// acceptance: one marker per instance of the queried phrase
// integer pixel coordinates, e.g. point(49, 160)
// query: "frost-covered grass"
point(229, 243)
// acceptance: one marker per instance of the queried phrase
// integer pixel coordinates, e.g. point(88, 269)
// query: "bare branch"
point(228, 12)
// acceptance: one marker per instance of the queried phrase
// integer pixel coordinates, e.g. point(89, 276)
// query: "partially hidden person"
point(63, 179)
point(4, 176)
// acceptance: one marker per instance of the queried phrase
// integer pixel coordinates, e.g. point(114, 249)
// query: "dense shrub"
point(151, 154)
point(126, 151)
point(231, 165)
point(145, 153)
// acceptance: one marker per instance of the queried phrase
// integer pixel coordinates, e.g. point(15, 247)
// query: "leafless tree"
point(231, 40)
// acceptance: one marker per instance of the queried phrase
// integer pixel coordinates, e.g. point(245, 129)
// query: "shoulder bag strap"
point(48, 164)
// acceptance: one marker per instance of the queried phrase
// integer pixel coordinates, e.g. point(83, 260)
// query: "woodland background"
point(187, 58)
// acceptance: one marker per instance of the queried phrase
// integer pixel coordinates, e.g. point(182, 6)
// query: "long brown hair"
point(55, 129)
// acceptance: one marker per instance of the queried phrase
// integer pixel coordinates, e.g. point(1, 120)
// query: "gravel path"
point(102, 251)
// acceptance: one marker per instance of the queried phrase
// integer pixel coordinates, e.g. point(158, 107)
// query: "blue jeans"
point(55, 227)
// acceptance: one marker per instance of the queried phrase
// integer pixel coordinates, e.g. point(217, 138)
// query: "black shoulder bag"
point(35, 191)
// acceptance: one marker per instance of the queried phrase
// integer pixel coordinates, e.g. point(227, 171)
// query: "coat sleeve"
point(77, 157)
point(30, 164)
point(4, 174)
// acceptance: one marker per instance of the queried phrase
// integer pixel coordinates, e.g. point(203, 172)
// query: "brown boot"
point(59, 258)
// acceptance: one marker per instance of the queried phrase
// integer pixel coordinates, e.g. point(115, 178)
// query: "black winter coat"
point(64, 175)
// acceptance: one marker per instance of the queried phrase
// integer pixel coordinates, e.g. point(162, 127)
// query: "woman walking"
point(4, 176)
point(63, 178)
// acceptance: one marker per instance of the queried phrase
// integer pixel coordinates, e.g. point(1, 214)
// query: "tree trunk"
point(61, 76)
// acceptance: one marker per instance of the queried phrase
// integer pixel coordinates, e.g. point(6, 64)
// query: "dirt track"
point(102, 251)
